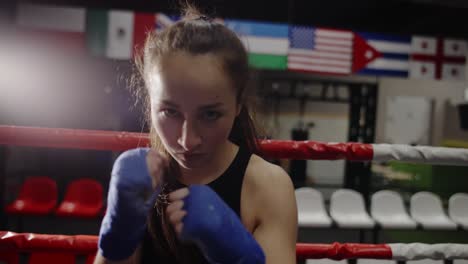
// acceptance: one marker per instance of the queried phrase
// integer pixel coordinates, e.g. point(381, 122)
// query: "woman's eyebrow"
point(166, 102)
point(208, 106)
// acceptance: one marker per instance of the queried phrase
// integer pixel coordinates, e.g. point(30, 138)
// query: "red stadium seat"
point(83, 198)
point(38, 196)
point(9, 257)
point(51, 257)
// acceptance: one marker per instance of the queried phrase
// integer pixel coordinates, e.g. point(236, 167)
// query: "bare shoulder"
point(267, 180)
point(271, 202)
point(260, 171)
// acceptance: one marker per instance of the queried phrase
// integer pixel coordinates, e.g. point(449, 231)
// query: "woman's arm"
point(276, 231)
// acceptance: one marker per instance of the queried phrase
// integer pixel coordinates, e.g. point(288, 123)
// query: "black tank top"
point(228, 186)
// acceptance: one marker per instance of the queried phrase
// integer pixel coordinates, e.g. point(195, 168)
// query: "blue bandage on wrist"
point(129, 201)
point(217, 230)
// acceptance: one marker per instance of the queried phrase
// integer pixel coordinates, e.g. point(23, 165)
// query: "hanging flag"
point(96, 31)
point(163, 21)
point(56, 27)
point(320, 50)
point(266, 43)
point(122, 34)
point(51, 18)
point(144, 23)
point(110, 33)
point(437, 58)
point(381, 55)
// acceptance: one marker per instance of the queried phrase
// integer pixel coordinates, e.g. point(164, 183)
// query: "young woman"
point(210, 198)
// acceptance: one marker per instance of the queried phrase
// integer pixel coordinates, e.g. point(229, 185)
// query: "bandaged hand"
point(200, 216)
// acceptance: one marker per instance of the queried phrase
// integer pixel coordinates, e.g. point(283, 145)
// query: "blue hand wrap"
point(217, 230)
point(129, 202)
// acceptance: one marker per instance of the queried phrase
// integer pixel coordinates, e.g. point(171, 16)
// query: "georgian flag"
point(437, 58)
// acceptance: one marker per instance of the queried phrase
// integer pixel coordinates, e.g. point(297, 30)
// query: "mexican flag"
point(117, 34)
point(266, 43)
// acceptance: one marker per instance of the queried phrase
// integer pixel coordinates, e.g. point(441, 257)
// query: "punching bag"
point(298, 168)
point(463, 115)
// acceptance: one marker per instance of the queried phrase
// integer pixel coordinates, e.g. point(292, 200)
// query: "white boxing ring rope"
point(415, 251)
point(421, 154)
point(119, 141)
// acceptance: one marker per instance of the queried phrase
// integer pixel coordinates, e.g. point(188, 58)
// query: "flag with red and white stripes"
point(320, 50)
point(52, 27)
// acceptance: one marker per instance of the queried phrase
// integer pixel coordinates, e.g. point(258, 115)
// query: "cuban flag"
point(320, 50)
point(437, 58)
point(381, 55)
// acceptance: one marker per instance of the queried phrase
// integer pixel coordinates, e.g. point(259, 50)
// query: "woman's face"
point(193, 107)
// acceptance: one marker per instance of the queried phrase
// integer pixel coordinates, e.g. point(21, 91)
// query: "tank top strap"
point(229, 185)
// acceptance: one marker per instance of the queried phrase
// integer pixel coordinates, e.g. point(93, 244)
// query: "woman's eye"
point(211, 115)
point(169, 112)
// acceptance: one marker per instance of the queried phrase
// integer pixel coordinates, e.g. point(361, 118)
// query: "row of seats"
point(347, 210)
point(383, 261)
point(39, 196)
point(83, 198)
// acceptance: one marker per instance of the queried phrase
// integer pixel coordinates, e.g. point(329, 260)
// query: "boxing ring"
point(13, 244)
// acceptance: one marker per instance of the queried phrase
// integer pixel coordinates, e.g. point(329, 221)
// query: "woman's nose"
point(189, 138)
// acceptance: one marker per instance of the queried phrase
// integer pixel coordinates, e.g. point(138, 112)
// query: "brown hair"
point(195, 34)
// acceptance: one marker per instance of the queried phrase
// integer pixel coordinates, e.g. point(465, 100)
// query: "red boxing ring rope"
point(286, 149)
point(87, 245)
point(120, 141)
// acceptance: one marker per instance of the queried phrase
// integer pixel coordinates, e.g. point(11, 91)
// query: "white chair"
point(326, 261)
point(311, 208)
point(376, 261)
point(348, 210)
point(458, 209)
point(388, 210)
point(425, 261)
point(426, 208)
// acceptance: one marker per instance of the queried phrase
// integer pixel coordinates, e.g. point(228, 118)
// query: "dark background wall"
point(433, 17)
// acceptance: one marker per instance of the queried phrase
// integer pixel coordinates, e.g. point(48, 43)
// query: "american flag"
point(320, 50)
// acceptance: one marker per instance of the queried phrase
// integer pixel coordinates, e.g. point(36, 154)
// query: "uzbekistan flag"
point(266, 43)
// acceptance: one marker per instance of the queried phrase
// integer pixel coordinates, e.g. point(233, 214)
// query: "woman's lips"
point(189, 156)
